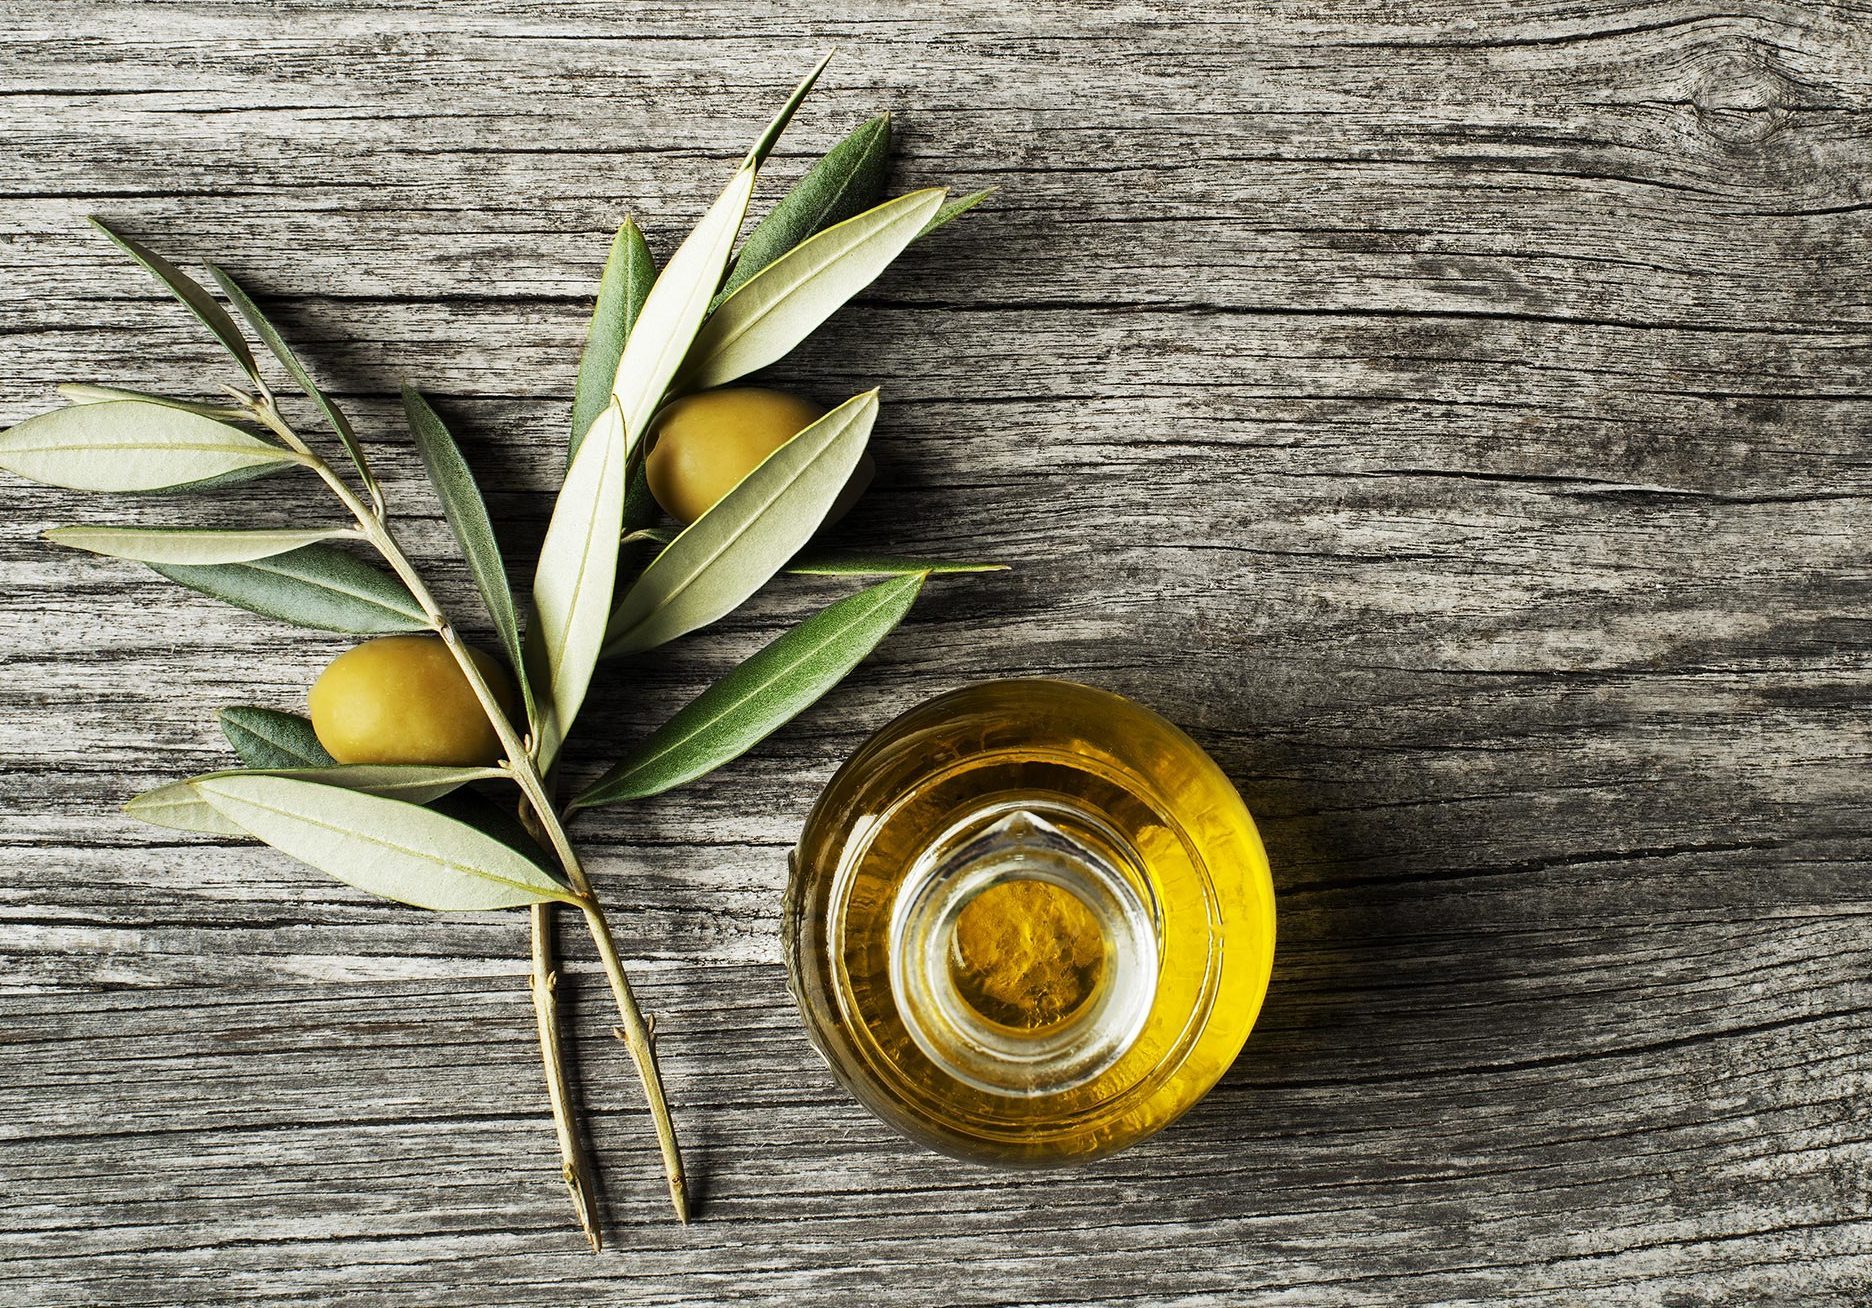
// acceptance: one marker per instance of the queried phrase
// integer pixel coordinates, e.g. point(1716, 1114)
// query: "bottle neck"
point(1023, 948)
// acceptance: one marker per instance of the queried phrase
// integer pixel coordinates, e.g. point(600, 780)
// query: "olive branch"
point(420, 834)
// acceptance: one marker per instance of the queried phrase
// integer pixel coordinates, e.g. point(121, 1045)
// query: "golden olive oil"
point(1030, 922)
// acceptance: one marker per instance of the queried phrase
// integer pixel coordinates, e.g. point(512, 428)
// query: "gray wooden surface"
point(1455, 414)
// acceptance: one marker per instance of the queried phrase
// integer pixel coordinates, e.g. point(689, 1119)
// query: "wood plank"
point(1453, 415)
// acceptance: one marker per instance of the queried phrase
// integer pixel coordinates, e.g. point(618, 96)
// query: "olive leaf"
point(845, 563)
point(629, 272)
point(315, 586)
point(846, 182)
point(388, 847)
point(268, 738)
point(729, 552)
point(679, 300)
point(192, 544)
point(770, 135)
point(264, 329)
point(758, 697)
point(182, 806)
point(857, 563)
point(675, 307)
point(86, 393)
point(955, 209)
point(132, 445)
point(577, 570)
point(467, 514)
point(786, 301)
point(192, 293)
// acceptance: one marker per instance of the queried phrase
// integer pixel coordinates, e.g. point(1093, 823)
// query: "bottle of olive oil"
point(1030, 923)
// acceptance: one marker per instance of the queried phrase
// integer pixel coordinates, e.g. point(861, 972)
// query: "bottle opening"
point(1023, 949)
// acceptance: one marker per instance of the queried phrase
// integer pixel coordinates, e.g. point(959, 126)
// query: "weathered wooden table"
point(1457, 416)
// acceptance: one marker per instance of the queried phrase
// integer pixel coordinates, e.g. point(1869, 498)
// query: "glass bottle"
point(1029, 923)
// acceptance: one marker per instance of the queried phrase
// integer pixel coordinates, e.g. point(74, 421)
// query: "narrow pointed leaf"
point(268, 738)
point(265, 330)
point(491, 818)
point(577, 569)
point(760, 696)
point(787, 301)
point(318, 586)
point(731, 551)
point(955, 209)
point(128, 445)
point(675, 307)
point(846, 182)
point(815, 562)
point(763, 146)
point(182, 806)
point(192, 293)
point(858, 563)
point(191, 544)
point(629, 272)
point(398, 850)
point(86, 393)
point(467, 514)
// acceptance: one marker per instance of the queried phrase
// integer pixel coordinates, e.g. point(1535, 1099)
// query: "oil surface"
point(1174, 827)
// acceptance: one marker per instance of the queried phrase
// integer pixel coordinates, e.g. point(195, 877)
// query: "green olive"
point(704, 444)
point(404, 699)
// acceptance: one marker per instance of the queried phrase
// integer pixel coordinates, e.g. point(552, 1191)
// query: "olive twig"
point(520, 765)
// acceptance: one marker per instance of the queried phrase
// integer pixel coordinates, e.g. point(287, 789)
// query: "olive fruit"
point(704, 444)
point(404, 699)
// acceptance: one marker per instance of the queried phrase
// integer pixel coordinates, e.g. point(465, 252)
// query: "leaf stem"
point(519, 764)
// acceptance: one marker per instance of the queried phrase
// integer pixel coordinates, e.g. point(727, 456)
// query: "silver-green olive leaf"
point(955, 209)
point(182, 806)
point(843, 184)
point(87, 393)
point(732, 550)
point(265, 330)
point(758, 697)
point(572, 588)
point(388, 847)
point(196, 545)
point(268, 738)
point(317, 586)
point(134, 446)
point(192, 294)
point(629, 272)
point(467, 515)
point(786, 301)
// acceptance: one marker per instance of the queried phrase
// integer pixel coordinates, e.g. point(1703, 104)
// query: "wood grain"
point(1454, 414)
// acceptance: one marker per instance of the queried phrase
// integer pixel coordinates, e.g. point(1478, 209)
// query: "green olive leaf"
point(679, 299)
point(629, 272)
point(264, 329)
point(467, 514)
point(182, 806)
point(857, 563)
point(730, 552)
point(130, 446)
point(758, 697)
point(577, 570)
point(955, 209)
point(764, 144)
point(815, 562)
point(192, 294)
point(674, 309)
point(388, 847)
point(192, 544)
point(843, 184)
point(268, 738)
point(785, 302)
point(86, 393)
point(315, 586)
